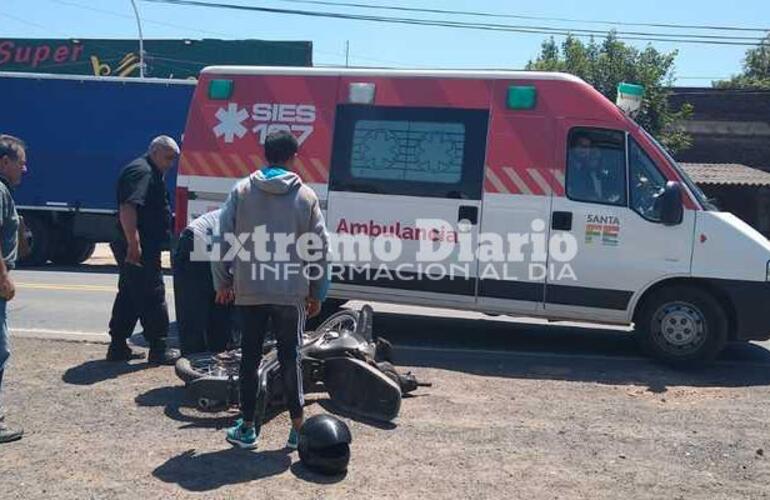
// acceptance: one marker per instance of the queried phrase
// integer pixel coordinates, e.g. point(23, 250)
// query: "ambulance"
point(554, 202)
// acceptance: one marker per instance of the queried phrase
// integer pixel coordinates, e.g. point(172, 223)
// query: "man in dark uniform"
point(144, 230)
point(13, 164)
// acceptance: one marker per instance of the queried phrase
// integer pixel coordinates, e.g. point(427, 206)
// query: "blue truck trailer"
point(80, 132)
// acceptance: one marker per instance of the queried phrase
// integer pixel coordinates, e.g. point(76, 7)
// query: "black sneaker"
point(163, 356)
point(7, 434)
point(121, 352)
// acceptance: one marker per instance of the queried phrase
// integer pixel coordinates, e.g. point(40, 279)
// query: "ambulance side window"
point(408, 151)
point(647, 183)
point(596, 166)
point(425, 152)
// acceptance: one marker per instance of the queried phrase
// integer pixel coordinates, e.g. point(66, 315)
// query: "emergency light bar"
point(220, 90)
point(521, 97)
point(361, 93)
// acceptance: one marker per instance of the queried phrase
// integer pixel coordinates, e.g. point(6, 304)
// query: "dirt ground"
point(512, 427)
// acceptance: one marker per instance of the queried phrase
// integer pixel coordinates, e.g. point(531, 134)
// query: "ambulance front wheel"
point(681, 326)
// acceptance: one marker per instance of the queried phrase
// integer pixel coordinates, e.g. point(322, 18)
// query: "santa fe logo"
point(264, 119)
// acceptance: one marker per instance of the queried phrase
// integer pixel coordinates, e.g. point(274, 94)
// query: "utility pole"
point(141, 39)
point(347, 53)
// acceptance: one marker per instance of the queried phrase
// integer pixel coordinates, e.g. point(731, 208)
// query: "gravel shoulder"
point(513, 426)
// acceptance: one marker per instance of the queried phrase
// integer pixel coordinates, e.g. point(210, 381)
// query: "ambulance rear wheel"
point(682, 326)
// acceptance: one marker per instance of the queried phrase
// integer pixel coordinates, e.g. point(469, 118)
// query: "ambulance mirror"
point(671, 207)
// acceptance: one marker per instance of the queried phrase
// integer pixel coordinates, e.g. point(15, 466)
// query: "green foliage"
point(756, 69)
point(604, 65)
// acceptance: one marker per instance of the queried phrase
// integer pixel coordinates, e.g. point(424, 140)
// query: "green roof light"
point(522, 97)
point(220, 89)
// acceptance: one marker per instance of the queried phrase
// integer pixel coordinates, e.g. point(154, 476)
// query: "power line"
point(144, 19)
point(657, 37)
point(532, 18)
point(703, 77)
point(204, 31)
point(711, 91)
point(30, 23)
point(49, 29)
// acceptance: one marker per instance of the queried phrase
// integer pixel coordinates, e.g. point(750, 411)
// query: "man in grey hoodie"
point(275, 243)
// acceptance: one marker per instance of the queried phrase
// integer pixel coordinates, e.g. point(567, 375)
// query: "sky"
point(394, 45)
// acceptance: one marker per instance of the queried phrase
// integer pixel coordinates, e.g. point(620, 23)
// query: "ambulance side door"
point(610, 210)
point(412, 173)
point(520, 182)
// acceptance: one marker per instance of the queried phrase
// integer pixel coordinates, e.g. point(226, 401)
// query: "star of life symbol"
point(231, 122)
point(298, 119)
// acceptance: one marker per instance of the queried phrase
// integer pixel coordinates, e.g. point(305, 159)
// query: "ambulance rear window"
point(408, 151)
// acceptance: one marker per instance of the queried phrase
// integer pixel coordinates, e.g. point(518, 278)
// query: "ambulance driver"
point(595, 170)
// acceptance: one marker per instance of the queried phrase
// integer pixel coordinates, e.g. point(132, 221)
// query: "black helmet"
point(324, 444)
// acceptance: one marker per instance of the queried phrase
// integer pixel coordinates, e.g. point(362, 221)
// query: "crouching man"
point(204, 325)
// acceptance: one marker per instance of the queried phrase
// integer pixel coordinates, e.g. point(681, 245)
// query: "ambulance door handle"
point(561, 221)
point(469, 213)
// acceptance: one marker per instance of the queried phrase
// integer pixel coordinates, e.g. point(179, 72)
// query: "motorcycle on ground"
point(341, 356)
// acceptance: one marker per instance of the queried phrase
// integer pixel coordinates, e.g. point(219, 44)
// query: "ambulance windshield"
point(696, 191)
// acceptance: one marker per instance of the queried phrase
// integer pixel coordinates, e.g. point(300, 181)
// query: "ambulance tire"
point(682, 326)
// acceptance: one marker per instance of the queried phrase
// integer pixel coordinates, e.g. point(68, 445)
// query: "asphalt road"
point(75, 303)
point(517, 408)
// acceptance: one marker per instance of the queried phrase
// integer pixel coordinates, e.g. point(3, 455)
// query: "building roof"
point(727, 126)
point(726, 174)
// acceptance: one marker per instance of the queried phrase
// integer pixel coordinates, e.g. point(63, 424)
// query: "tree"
point(604, 65)
point(756, 69)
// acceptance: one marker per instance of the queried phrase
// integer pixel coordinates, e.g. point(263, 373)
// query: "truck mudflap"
point(359, 388)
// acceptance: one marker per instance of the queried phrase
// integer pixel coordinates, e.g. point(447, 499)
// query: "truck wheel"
point(73, 251)
point(38, 235)
point(682, 326)
point(87, 252)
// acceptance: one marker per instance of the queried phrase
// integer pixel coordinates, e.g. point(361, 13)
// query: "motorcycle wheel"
point(207, 364)
point(345, 320)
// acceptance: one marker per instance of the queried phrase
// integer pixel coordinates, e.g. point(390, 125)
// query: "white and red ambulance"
point(534, 161)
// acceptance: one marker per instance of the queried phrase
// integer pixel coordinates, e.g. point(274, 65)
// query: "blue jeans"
point(5, 348)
